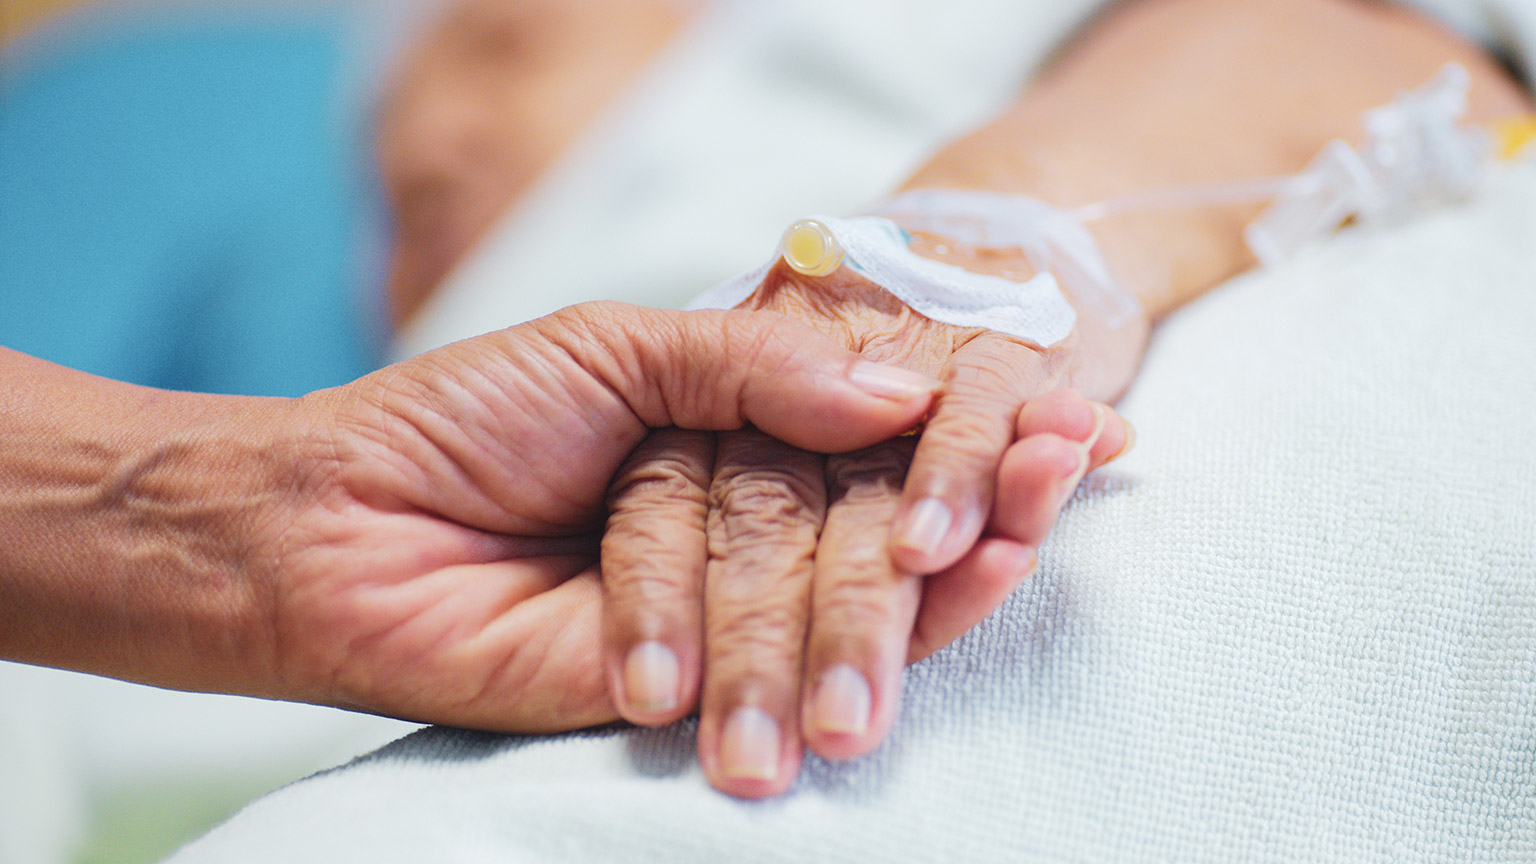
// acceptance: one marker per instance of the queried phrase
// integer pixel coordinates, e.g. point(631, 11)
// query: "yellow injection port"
point(808, 247)
point(1515, 135)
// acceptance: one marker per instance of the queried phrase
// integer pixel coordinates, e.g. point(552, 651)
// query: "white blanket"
point(1298, 623)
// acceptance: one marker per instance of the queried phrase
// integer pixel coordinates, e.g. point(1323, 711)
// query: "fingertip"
point(1119, 439)
point(961, 597)
point(839, 719)
point(858, 405)
point(1073, 416)
point(1064, 412)
point(1036, 476)
point(892, 382)
point(931, 533)
point(748, 754)
point(952, 482)
point(648, 688)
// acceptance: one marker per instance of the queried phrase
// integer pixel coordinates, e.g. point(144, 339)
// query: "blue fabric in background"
point(192, 206)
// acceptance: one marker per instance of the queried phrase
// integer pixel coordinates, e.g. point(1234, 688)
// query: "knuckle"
point(757, 637)
point(855, 552)
point(595, 321)
point(753, 507)
point(643, 544)
point(749, 449)
point(971, 436)
point(872, 471)
point(639, 590)
point(658, 484)
point(766, 573)
point(594, 310)
point(991, 379)
point(1026, 360)
point(750, 493)
point(671, 467)
point(868, 504)
point(865, 604)
point(647, 568)
point(633, 539)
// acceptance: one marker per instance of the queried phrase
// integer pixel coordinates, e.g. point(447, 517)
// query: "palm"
point(436, 557)
point(413, 621)
point(446, 575)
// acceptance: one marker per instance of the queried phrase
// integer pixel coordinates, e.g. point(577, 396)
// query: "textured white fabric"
point(1297, 624)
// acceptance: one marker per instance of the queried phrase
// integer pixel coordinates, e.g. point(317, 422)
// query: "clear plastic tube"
point(1255, 191)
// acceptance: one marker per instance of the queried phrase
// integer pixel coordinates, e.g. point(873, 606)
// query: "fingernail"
point(842, 702)
point(749, 745)
point(1073, 467)
point(1070, 481)
point(1130, 441)
point(1084, 455)
point(650, 677)
point(1025, 562)
point(891, 382)
point(926, 526)
point(1100, 419)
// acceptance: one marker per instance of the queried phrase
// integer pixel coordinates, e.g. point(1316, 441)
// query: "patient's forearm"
point(1166, 92)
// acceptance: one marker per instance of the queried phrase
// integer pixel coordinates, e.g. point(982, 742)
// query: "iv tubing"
point(1256, 191)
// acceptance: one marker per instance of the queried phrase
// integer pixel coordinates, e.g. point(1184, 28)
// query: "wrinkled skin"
point(736, 543)
point(763, 566)
point(481, 108)
point(436, 558)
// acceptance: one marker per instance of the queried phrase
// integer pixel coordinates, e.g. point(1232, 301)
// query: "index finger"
point(950, 485)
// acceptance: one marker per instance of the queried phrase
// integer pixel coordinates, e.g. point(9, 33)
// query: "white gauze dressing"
point(1034, 311)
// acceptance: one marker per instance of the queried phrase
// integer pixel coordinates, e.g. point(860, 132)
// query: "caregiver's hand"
point(419, 543)
point(797, 627)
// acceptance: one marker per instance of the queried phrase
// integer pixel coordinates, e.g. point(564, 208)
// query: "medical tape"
point(1053, 240)
point(1417, 155)
point(877, 248)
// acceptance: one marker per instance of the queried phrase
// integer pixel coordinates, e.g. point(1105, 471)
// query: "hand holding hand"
point(435, 556)
point(759, 581)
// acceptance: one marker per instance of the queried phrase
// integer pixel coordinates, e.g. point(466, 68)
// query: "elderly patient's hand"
point(789, 619)
point(435, 557)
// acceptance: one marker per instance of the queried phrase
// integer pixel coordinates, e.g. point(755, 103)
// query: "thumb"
point(722, 370)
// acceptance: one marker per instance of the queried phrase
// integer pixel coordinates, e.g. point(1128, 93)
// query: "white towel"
point(1297, 624)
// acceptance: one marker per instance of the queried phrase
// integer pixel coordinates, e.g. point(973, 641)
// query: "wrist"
point(1160, 258)
point(127, 527)
point(1012, 238)
point(222, 486)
